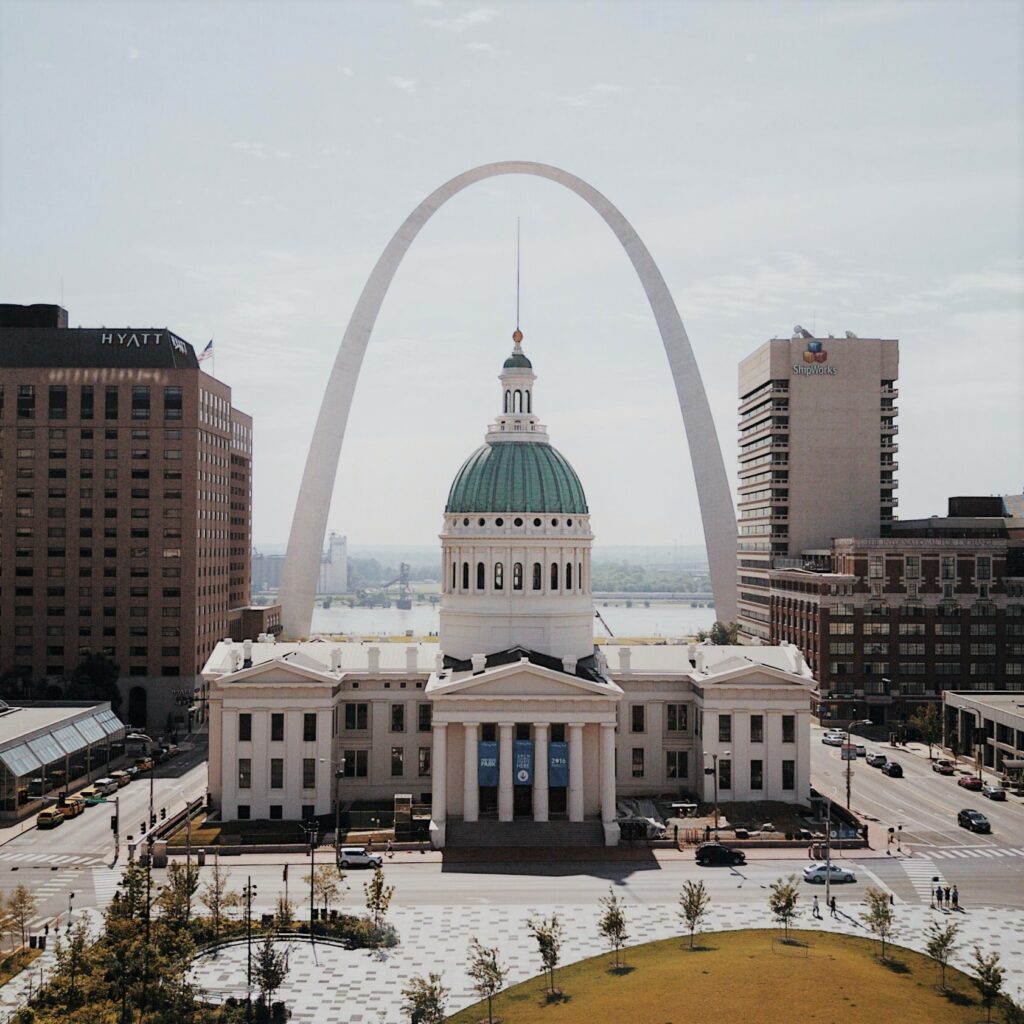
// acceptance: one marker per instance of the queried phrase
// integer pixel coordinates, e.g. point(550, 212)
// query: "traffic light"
point(113, 823)
point(163, 813)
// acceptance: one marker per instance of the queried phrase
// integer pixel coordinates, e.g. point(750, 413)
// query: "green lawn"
point(744, 976)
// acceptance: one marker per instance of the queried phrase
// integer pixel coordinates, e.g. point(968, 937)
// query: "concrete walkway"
point(336, 986)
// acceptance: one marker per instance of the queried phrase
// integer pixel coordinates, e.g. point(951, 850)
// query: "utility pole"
point(311, 828)
point(248, 892)
point(850, 754)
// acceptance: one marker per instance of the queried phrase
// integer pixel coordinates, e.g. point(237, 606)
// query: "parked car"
point(970, 782)
point(974, 820)
point(91, 795)
point(861, 750)
point(993, 791)
point(892, 769)
point(833, 739)
point(122, 778)
point(106, 785)
point(715, 855)
point(49, 817)
point(817, 873)
point(172, 749)
point(72, 807)
point(144, 764)
point(132, 770)
point(358, 857)
point(876, 760)
point(943, 766)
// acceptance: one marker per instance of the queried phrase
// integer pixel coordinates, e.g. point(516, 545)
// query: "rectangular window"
point(58, 402)
point(243, 812)
point(423, 717)
point(913, 567)
point(277, 773)
point(245, 773)
point(789, 775)
point(398, 718)
point(676, 764)
point(26, 403)
point(355, 717)
point(355, 762)
point(397, 762)
point(424, 762)
point(110, 403)
point(676, 717)
point(725, 728)
point(309, 773)
point(984, 568)
point(757, 729)
point(276, 812)
point(638, 763)
point(789, 728)
point(277, 726)
point(86, 399)
point(245, 726)
point(309, 726)
point(757, 774)
point(172, 403)
point(724, 773)
point(636, 712)
point(140, 402)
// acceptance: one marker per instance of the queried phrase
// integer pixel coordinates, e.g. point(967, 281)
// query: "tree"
point(423, 1000)
point(327, 881)
point(72, 962)
point(954, 745)
point(284, 912)
point(488, 973)
point(180, 887)
point(928, 722)
point(611, 925)
point(879, 916)
point(941, 945)
point(782, 900)
point(21, 905)
point(270, 968)
point(549, 934)
point(217, 897)
point(721, 633)
point(988, 979)
point(95, 678)
point(694, 902)
point(378, 896)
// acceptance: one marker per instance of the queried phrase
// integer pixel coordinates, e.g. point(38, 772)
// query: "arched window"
point(508, 401)
point(499, 576)
point(536, 575)
point(579, 575)
point(481, 580)
point(554, 575)
point(517, 401)
point(528, 402)
point(568, 575)
point(465, 575)
point(517, 576)
point(453, 576)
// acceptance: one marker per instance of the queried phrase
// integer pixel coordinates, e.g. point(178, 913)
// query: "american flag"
point(207, 352)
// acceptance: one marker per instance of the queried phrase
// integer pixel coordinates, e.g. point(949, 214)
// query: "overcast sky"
point(234, 170)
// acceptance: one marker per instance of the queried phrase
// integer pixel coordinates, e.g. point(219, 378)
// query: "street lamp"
point(248, 892)
point(339, 773)
point(847, 752)
point(71, 901)
point(713, 770)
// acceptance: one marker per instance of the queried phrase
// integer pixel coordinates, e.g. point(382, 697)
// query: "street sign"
point(849, 752)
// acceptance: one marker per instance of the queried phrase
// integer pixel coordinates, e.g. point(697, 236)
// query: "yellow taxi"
point(72, 807)
point(51, 817)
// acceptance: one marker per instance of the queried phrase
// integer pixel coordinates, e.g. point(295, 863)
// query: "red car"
point(969, 782)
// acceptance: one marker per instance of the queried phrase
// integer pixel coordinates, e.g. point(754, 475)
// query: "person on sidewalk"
point(816, 909)
point(956, 899)
point(391, 849)
point(947, 897)
point(832, 908)
point(938, 896)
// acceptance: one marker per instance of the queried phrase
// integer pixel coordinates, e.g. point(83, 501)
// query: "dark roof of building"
point(951, 527)
point(128, 347)
point(586, 668)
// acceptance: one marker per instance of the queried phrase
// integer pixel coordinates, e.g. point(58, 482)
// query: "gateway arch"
point(309, 523)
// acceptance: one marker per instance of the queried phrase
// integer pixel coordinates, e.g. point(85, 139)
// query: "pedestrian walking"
point(817, 910)
point(832, 907)
point(947, 895)
point(391, 849)
point(956, 899)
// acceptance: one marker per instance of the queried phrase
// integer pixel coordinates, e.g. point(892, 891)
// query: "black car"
point(716, 855)
point(892, 769)
point(973, 820)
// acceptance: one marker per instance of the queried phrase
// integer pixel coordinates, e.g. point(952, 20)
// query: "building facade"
point(817, 456)
point(988, 727)
point(515, 714)
point(125, 507)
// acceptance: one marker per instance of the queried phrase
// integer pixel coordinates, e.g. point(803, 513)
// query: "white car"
point(833, 739)
point(358, 857)
point(817, 873)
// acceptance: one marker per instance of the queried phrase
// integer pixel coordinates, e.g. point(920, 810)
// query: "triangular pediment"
point(742, 672)
point(521, 679)
point(281, 671)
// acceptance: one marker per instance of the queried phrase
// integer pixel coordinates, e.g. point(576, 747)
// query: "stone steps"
point(522, 834)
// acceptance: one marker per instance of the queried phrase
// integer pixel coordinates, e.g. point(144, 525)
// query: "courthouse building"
point(514, 717)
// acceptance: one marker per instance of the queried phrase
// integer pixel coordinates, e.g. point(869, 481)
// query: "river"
point(662, 618)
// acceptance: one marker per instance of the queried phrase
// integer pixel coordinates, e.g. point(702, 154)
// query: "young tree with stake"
point(694, 902)
point(782, 901)
point(378, 896)
point(612, 923)
point(988, 979)
point(941, 945)
point(21, 905)
point(270, 968)
point(488, 973)
point(879, 916)
point(423, 1000)
point(549, 934)
point(218, 898)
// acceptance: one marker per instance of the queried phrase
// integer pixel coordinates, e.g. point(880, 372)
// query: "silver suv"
point(358, 857)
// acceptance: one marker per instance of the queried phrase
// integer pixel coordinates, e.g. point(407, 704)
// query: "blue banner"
point(487, 767)
point(558, 764)
point(522, 763)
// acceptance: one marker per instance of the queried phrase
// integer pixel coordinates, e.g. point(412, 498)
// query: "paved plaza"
point(335, 986)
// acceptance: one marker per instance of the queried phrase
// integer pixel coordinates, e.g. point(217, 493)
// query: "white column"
point(575, 771)
point(607, 771)
point(471, 788)
point(505, 803)
point(540, 771)
point(439, 773)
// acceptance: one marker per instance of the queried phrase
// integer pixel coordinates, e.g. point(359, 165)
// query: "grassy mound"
point(744, 976)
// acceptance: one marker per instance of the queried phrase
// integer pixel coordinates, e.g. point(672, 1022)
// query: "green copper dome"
point(517, 476)
point(517, 360)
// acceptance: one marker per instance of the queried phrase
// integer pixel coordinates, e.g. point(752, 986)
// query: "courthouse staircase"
point(523, 834)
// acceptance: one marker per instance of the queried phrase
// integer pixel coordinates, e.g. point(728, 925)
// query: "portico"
point(523, 742)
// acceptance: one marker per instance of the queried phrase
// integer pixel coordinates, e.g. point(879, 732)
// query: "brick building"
point(888, 623)
point(125, 507)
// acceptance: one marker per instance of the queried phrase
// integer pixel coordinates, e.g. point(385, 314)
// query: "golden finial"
point(517, 336)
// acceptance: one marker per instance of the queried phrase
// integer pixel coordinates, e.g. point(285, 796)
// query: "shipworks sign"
point(815, 362)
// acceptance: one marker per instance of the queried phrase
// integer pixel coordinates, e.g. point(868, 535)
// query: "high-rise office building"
point(125, 507)
point(817, 456)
